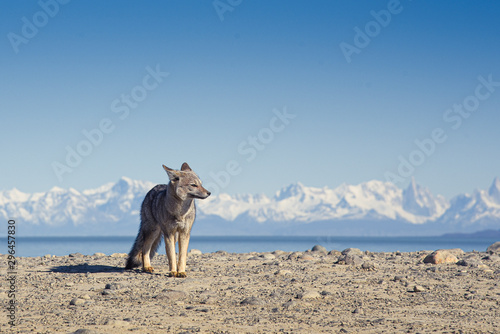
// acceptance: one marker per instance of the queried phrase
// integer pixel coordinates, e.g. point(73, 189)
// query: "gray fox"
point(168, 210)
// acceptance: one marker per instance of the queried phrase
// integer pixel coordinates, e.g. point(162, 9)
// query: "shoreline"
point(271, 292)
point(60, 246)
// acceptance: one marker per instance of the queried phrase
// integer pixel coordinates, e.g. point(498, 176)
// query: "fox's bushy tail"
point(135, 255)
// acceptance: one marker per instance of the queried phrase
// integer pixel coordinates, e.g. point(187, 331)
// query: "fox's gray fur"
point(168, 210)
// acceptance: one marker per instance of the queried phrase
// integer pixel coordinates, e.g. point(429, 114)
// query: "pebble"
point(119, 255)
point(85, 331)
point(118, 323)
point(195, 252)
point(319, 249)
point(472, 262)
point(309, 294)
point(172, 295)
point(358, 311)
point(494, 248)
point(268, 256)
point(294, 255)
point(350, 259)
point(113, 286)
point(307, 257)
point(334, 253)
point(418, 288)
point(492, 257)
point(352, 251)
point(77, 301)
point(368, 266)
point(279, 252)
point(290, 304)
point(283, 272)
point(252, 301)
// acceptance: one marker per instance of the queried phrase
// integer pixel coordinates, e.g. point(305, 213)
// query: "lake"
point(39, 246)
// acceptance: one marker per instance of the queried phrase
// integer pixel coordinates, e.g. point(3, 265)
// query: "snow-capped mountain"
point(420, 201)
point(480, 209)
point(370, 200)
point(369, 208)
point(59, 211)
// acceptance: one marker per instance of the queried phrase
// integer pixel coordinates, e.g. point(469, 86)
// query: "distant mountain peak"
point(56, 190)
point(494, 191)
point(13, 195)
point(421, 202)
point(292, 190)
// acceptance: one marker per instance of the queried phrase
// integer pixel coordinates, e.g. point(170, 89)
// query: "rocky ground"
point(278, 292)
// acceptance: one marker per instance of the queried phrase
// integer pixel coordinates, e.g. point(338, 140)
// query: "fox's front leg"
point(170, 250)
point(183, 248)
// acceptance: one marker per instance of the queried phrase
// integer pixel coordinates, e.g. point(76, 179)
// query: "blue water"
point(39, 246)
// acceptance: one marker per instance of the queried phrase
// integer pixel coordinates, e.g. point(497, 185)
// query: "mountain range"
point(372, 208)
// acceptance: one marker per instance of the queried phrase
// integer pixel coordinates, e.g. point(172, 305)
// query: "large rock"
point(351, 256)
point(320, 249)
point(352, 251)
point(350, 259)
point(471, 261)
point(443, 256)
point(494, 248)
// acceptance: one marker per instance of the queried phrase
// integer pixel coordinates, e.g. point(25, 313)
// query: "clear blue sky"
point(87, 64)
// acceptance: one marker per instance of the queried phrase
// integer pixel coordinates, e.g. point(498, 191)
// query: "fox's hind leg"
point(151, 239)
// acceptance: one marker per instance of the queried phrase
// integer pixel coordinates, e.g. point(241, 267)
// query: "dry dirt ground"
point(278, 292)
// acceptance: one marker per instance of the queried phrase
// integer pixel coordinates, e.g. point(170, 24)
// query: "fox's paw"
point(172, 274)
point(148, 269)
point(181, 274)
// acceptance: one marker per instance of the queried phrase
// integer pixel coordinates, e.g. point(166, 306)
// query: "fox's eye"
point(194, 185)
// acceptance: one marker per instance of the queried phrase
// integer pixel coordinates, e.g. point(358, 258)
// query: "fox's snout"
point(203, 194)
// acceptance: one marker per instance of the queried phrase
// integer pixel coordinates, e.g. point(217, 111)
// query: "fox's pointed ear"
point(173, 175)
point(185, 167)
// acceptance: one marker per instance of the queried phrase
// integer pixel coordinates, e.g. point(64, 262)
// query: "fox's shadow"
point(85, 268)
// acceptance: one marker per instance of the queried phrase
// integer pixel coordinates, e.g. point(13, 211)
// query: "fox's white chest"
point(182, 224)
